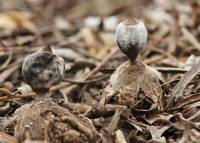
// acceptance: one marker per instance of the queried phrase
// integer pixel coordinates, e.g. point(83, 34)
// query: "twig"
point(87, 81)
point(171, 69)
point(115, 119)
point(161, 69)
point(7, 92)
point(17, 95)
point(96, 69)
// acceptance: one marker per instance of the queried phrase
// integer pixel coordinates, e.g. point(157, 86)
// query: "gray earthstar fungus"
point(133, 75)
point(43, 69)
point(44, 119)
point(131, 36)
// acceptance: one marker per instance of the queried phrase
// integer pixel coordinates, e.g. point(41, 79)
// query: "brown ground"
point(78, 110)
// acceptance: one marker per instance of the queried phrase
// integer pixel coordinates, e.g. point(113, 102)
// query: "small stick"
point(96, 69)
point(115, 119)
point(87, 81)
point(171, 69)
point(7, 92)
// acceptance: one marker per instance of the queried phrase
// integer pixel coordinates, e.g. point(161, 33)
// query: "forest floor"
point(82, 32)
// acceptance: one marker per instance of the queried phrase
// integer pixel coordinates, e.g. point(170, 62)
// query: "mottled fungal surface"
point(43, 69)
point(131, 36)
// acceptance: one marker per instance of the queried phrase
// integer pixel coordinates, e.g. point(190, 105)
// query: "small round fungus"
point(131, 36)
point(43, 69)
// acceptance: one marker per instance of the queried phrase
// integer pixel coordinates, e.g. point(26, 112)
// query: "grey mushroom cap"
point(131, 36)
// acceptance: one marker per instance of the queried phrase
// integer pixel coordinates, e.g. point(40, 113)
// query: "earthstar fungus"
point(44, 119)
point(43, 69)
point(131, 36)
point(133, 75)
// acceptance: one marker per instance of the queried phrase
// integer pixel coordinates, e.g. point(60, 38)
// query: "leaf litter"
point(78, 109)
